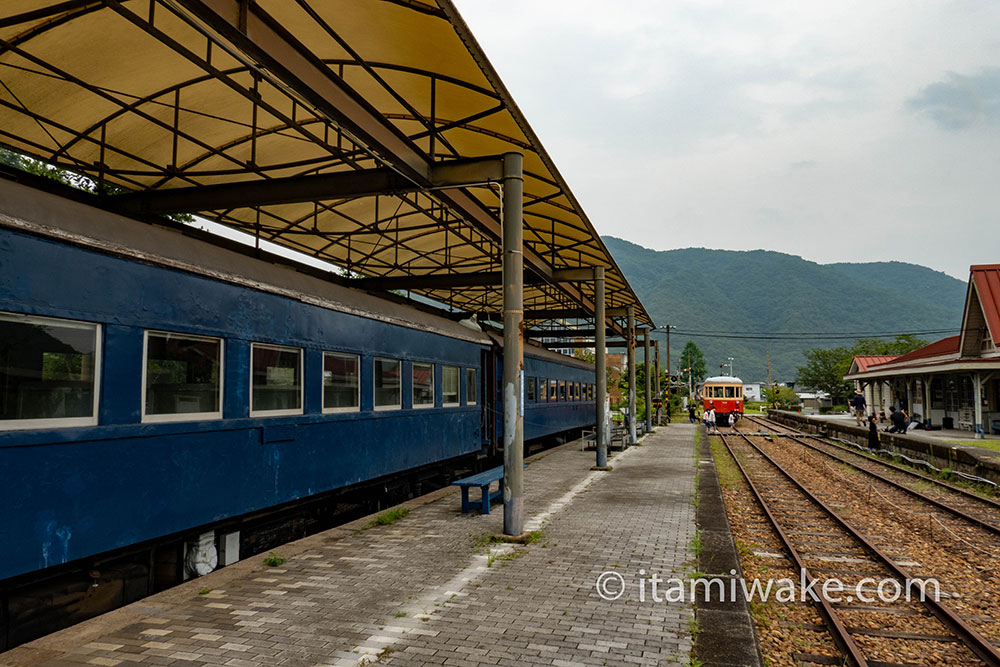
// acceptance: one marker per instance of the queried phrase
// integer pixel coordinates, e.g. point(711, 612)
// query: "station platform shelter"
point(953, 383)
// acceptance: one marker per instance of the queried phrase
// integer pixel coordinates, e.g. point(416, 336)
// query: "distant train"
point(725, 394)
point(157, 390)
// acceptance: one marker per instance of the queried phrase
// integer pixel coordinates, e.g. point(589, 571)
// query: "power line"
point(803, 336)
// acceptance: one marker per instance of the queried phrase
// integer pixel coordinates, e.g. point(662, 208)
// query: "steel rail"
point(893, 466)
point(837, 629)
point(978, 644)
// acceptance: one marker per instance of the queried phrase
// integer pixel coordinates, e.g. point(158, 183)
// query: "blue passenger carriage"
point(157, 390)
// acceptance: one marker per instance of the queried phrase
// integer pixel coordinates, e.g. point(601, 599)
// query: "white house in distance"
point(953, 382)
point(752, 391)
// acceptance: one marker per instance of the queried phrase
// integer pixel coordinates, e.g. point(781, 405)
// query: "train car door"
point(491, 360)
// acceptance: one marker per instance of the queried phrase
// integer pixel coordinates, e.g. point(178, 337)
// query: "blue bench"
point(483, 481)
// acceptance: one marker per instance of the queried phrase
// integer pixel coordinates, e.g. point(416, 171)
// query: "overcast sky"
point(839, 131)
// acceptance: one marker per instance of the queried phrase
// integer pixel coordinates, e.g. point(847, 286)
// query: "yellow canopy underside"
point(145, 95)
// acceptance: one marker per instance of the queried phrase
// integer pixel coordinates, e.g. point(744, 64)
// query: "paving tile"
point(431, 590)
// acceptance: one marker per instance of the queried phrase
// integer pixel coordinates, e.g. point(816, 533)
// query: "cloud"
point(961, 102)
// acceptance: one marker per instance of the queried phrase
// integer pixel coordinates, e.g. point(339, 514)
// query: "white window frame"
point(346, 355)
point(475, 383)
point(187, 416)
point(60, 422)
point(397, 406)
point(413, 393)
point(302, 381)
point(458, 393)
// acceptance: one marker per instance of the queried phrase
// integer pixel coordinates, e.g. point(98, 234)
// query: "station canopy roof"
point(174, 101)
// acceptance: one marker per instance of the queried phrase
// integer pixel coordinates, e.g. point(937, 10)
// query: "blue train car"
point(153, 384)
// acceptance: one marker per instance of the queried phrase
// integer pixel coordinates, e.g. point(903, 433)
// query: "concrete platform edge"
point(726, 635)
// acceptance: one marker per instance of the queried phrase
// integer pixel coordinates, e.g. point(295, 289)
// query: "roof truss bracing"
point(154, 96)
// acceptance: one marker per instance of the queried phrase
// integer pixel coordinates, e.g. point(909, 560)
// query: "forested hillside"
point(702, 290)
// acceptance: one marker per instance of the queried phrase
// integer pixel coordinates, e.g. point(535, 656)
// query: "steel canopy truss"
point(255, 114)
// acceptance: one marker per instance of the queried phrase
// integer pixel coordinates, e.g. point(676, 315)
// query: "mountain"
point(761, 291)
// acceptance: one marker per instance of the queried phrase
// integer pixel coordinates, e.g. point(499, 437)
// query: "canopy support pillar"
point(656, 356)
point(600, 368)
point(649, 380)
point(513, 343)
point(631, 375)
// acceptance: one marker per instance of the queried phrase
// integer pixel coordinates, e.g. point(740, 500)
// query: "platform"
point(951, 449)
point(430, 589)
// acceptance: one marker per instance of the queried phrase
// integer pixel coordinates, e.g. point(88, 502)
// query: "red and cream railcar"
point(725, 394)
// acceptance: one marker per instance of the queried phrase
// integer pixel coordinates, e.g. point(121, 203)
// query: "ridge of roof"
point(986, 278)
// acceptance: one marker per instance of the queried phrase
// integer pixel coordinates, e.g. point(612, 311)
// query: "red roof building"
point(954, 382)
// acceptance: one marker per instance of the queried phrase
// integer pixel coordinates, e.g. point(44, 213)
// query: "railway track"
point(952, 499)
point(827, 549)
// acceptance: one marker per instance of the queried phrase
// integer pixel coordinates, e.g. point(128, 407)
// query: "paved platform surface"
point(430, 590)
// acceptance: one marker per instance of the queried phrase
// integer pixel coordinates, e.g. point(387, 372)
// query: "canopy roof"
point(164, 95)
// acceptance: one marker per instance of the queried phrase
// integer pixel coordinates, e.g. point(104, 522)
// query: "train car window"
point(562, 390)
point(532, 389)
point(739, 392)
point(182, 377)
point(48, 372)
point(471, 387)
point(553, 390)
point(579, 391)
point(388, 388)
point(341, 382)
point(449, 386)
point(276, 380)
point(719, 392)
point(730, 392)
point(423, 385)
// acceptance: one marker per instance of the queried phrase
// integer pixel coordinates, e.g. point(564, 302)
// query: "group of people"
point(899, 420)
point(708, 416)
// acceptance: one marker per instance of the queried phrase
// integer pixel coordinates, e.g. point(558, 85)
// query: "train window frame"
point(160, 418)
point(562, 391)
point(532, 390)
point(458, 386)
point(553, 390)
point(284, 412)
point(413, 384)
point(471, 387)
point(730, 392)
point(61, 422)
point(399, 390)
point(357, 391)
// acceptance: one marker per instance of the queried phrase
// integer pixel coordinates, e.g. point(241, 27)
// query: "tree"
point(780, 397)
point(825, 371)
point(825, 368)
point(693, 358)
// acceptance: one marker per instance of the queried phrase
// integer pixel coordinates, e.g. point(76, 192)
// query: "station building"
point(953, 382)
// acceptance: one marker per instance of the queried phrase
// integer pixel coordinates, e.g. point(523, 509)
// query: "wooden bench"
point(483, 481)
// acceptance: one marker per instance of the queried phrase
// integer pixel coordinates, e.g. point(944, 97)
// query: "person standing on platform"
point(860, 406)
point(691, 413)
point(873, 432)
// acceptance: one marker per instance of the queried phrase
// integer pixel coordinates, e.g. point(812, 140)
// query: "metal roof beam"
point(557, 314)
point(295, 189)
point(255, 32)
point(565, 333)
point(583, 344)
point(478, 279)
